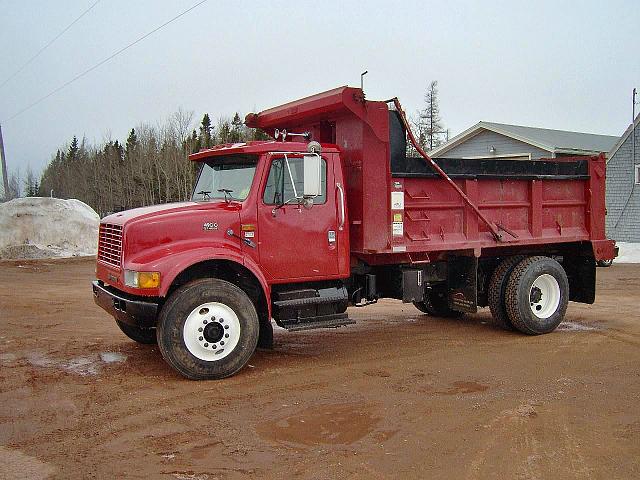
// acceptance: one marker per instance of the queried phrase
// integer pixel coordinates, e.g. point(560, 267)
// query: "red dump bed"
point(401, 207)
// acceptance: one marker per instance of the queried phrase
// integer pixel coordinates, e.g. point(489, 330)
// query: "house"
point(487, 140)
point(623, 186)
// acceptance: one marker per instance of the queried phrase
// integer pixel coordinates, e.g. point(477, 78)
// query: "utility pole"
point(4, 188)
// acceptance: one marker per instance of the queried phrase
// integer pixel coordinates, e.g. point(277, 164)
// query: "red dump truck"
point(333, 213)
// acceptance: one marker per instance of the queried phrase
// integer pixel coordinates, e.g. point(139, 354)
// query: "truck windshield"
point(225, 177)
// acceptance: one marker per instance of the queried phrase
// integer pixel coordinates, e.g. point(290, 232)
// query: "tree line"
point(151, 165)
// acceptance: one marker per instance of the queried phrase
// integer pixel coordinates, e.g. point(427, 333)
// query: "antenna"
point(362, 80)
point(634, 103)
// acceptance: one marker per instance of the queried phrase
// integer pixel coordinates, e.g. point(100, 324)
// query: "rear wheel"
point(497, 289)
point(208, 329)
point(537, 295)
point(436, 304)
point(146, 336)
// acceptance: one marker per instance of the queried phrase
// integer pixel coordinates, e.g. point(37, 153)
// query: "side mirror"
point(312, 175)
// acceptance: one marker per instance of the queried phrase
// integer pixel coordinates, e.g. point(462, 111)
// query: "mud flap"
point(462, 284)
point(581, 272)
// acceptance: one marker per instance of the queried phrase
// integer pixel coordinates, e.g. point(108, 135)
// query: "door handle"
point(342, 213)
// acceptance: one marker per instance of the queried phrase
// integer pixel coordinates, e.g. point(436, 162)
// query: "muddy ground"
point(398, 395)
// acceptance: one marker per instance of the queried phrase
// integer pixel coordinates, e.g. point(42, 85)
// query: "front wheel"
point(537, 295)
point(208, 329)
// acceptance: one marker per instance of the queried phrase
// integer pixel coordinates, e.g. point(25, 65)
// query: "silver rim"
point(544, 296)
point(211, 331)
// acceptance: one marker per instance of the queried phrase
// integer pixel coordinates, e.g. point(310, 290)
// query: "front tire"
point(146, 336)
point(537, 295)
point(208, 329)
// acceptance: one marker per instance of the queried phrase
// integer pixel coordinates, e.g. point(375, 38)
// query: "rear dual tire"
point(536, 295)
point(497, 291)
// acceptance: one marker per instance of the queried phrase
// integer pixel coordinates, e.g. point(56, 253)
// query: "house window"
point(637, 174)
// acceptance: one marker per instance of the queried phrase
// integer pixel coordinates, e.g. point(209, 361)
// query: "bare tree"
point(181, 122)
point(30, 183)
point(428, 123)
point(15, 185)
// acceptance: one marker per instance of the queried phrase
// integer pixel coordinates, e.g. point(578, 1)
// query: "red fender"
point(172, 265)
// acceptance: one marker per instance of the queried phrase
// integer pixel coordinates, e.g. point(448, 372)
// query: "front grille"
point(110, 244)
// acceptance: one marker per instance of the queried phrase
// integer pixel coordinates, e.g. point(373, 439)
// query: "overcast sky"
point(556, 64)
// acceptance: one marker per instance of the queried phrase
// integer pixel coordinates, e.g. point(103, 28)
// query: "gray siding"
point(623, 222)
point(480, 144)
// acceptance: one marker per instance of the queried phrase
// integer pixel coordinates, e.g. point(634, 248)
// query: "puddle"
point(7, 357)
point(112, 357)
point(83, 366)
point(40, 360)
point(575, 327)
point(322, 424)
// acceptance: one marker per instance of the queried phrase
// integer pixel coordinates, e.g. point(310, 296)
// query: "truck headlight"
point(141, 279)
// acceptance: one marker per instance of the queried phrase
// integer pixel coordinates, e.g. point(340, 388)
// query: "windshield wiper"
point(227, 194)
point(205, 194)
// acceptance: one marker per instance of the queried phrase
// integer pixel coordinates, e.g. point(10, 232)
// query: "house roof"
point(624, 137)
point(555, 141)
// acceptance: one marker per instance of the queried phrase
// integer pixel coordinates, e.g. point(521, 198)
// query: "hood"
point(162, 229)
point(126, 216)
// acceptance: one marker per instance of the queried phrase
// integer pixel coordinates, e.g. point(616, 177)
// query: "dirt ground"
point(398, 395)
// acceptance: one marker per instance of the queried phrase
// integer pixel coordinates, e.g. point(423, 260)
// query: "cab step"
point(324, 321)
point(305, 307)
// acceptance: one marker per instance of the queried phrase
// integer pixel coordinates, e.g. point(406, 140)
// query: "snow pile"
point(40, 227)
point(629, 253)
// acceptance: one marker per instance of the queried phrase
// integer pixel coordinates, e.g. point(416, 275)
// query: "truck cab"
point(262, 215)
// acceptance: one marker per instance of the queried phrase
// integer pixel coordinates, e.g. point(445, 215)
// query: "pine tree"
point(205, 132)
point(236, 128)
point(73, 148)
point(119, 150)
point(224, 130)
point(132, 143)
point(195, 142)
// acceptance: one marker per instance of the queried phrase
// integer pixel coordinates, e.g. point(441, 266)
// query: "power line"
point(37, 54)
point(89, 70)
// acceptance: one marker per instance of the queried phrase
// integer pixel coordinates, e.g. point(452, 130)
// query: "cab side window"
point(279, 188)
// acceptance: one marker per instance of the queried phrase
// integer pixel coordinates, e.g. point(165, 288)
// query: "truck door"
point(297, 243)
